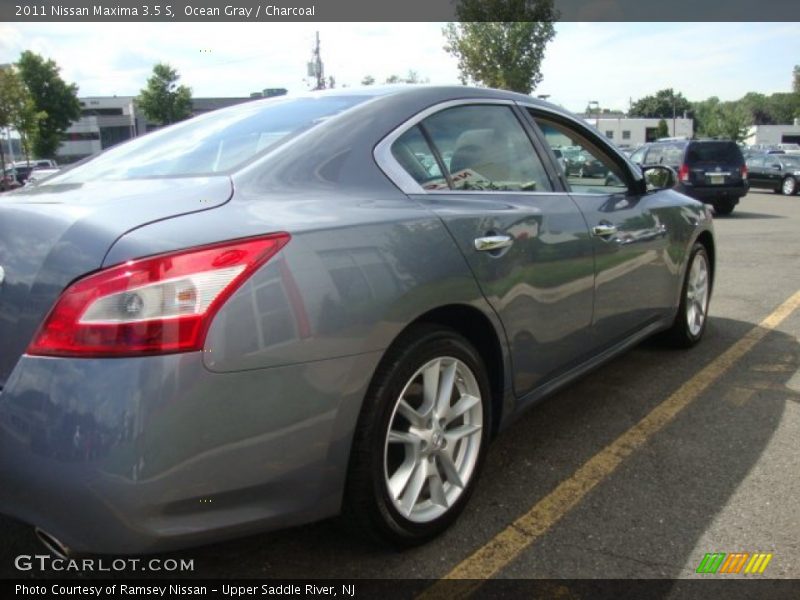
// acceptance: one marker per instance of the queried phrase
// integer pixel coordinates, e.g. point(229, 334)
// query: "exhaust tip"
point(52, 544)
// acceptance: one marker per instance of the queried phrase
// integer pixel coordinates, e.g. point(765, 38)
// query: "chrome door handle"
point(604, 230)
point(493, 242)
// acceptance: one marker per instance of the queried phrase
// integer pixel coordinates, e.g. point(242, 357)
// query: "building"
point(109, 120)
point(105, 121)
point(633, 131)
point(774, 134)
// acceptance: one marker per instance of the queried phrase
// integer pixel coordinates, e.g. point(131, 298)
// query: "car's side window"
point(587, 168)
point(655, 156)
point(415, 155)
point(481, 148)
point(673, 155)
point(755, 161)
point(638, 156)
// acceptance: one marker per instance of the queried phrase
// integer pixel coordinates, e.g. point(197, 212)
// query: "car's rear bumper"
point(711, 193)
point(140, 455)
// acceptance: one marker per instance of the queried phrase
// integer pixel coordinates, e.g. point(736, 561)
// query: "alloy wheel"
point(697, 294)
point(434, 439)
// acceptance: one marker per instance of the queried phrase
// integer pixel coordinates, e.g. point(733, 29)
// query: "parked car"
point(303, 306)
point(39, 173)
point(712, 171)
point(777, 172)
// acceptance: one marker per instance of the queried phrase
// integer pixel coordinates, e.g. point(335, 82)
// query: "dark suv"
point(712, 171)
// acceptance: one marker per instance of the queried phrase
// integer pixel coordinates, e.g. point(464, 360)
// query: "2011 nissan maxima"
point(312, 305)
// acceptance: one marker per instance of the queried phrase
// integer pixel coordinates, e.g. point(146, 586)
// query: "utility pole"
point(315, 67)
point(673, 114)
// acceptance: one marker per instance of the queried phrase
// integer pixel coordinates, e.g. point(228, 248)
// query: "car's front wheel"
point(789, 186)
point(690, 322)
point(421, 438)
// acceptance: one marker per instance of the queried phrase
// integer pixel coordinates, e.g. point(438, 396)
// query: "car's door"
point(773, 171)
point(755, 172)
point(527, 243)
point(635, 274)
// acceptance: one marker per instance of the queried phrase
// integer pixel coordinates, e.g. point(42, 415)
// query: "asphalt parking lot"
point(637, 471)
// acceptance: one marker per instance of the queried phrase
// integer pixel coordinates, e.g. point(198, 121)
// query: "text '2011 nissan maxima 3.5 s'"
point(319, 305)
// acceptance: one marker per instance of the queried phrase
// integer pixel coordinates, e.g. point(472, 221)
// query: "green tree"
point(665, 104)
point(662, 130)
point(501, 43)
point(368, 80)
point(411, 77)
point(163, 101)
point(10, 90)
point(54, 100)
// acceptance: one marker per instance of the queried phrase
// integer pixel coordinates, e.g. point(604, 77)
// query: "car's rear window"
point(217, 142)
point(718, 152)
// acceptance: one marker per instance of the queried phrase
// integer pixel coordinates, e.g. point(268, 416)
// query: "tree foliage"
point(411, 77)
point(18, 110)
point(54, 103)
point(729, 120)
point(662, 130)
point(368, 80)
point(162, 100)
point(663, 105)
point(501, 43)
point(796, 79)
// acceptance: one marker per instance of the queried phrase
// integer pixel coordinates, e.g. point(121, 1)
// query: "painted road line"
point(507, 545)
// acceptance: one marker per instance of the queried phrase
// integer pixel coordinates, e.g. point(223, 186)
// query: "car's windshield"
point(216, 142)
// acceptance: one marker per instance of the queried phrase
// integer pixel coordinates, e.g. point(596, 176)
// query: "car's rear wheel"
point(421, 438)
point(690, 322)
point(724, 207)
point(789, 186)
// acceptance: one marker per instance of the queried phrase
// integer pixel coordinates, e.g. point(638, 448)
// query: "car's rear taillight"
point(744, 171)
point(156, 305)
point(683, 172)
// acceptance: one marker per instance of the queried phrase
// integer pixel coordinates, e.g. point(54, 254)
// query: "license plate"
point(717, 179)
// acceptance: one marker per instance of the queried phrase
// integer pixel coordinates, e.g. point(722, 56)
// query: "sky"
point(611, 63)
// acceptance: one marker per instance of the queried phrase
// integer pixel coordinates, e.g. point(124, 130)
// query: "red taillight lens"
point(744, 171)
point(154, 305)
point(683, 173)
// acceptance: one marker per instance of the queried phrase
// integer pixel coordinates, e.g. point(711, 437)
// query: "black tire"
point(791, 183)
point(680, 335)
point(724, 207)
point(368, 508)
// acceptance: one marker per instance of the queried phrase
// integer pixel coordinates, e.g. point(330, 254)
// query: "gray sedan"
point(317, 305)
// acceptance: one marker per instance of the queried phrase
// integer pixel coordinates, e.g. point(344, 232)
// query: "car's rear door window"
point(479, 148)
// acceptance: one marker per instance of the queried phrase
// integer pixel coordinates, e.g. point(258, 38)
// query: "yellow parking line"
point(507, 545)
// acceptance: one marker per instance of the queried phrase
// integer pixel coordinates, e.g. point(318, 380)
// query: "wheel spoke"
point(411, 414)
point(430, 380)
point(436, 487)
point(464, 404)
point(400, 478)
point(462, 431)
point(449, 468)
point(416, 482)
point(404, 437)
point(446, 385)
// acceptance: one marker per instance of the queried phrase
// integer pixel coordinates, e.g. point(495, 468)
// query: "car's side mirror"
point(659, 177)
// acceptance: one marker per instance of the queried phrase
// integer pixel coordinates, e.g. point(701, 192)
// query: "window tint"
point(215, 142)
point(722, 152)
point(486, 148)
point(654, 155)
point(672, 155)
point(587, 168)
point(414, 154)
point(638, 156)
point(755, 161)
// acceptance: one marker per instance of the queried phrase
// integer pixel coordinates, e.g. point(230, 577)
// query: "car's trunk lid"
point(53, 234)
